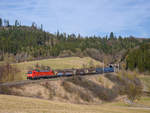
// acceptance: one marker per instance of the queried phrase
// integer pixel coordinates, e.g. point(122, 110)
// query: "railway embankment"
point(92, 89)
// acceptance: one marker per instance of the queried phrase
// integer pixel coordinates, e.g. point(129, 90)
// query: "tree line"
point(30, 42)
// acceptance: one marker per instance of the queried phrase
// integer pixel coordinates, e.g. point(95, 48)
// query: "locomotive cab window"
point(30, 72)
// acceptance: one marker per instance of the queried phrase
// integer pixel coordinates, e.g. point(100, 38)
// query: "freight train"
point(37, 74)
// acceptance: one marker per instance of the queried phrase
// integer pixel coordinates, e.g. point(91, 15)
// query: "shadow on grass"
point(113, 78)
point(97, 90)
point(123, 81)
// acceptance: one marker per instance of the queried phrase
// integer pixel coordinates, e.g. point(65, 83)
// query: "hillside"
point(89, 89)
point(25, 43)
point(94, 89)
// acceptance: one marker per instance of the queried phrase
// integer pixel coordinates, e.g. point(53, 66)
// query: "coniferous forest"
point(139, 58)
point(25, 43)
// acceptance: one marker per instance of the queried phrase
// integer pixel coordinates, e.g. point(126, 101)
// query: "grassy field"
point(146, 81)
point(57, 63)
point(144, 101)
point(14, 104)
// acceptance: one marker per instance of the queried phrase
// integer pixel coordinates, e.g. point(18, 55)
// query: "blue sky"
point(87, 17)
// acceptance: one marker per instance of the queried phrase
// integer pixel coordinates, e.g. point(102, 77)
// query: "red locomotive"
point(37, 74)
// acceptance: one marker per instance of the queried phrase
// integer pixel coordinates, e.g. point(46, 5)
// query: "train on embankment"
point(38, 74)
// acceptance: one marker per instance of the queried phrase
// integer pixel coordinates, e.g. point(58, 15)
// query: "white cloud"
point(87, 17)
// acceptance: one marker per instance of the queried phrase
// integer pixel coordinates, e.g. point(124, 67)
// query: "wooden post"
point(103, 67)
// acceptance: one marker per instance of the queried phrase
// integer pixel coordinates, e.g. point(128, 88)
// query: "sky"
point(85, 17)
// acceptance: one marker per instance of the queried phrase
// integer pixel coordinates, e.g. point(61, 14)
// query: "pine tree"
point(1, 22)
point(16, 23)
point(111, 35)
point(41, 27)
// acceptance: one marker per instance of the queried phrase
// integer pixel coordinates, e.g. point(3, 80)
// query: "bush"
point(9, 72)
point(94, 53)
point(40, 67)
point(5, 90)
point(79, 53)
point(9, 58)
point(133, 91)
point(66, 53)
point(131, 85)
point(77, 91)
point(91, 64)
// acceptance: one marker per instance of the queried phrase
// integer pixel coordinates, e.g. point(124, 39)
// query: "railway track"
point(42, 80)
point(27, 82)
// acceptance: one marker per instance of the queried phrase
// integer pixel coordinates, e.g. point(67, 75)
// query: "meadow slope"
point(14, 104)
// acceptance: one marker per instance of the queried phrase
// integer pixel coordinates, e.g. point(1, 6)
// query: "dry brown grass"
point(9, 73)
point(145, 100)
point(14, 104)
point(85, 90)
point(146, 82)
point(82, 90)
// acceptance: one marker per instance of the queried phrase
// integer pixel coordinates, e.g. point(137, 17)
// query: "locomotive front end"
point(29, 75)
